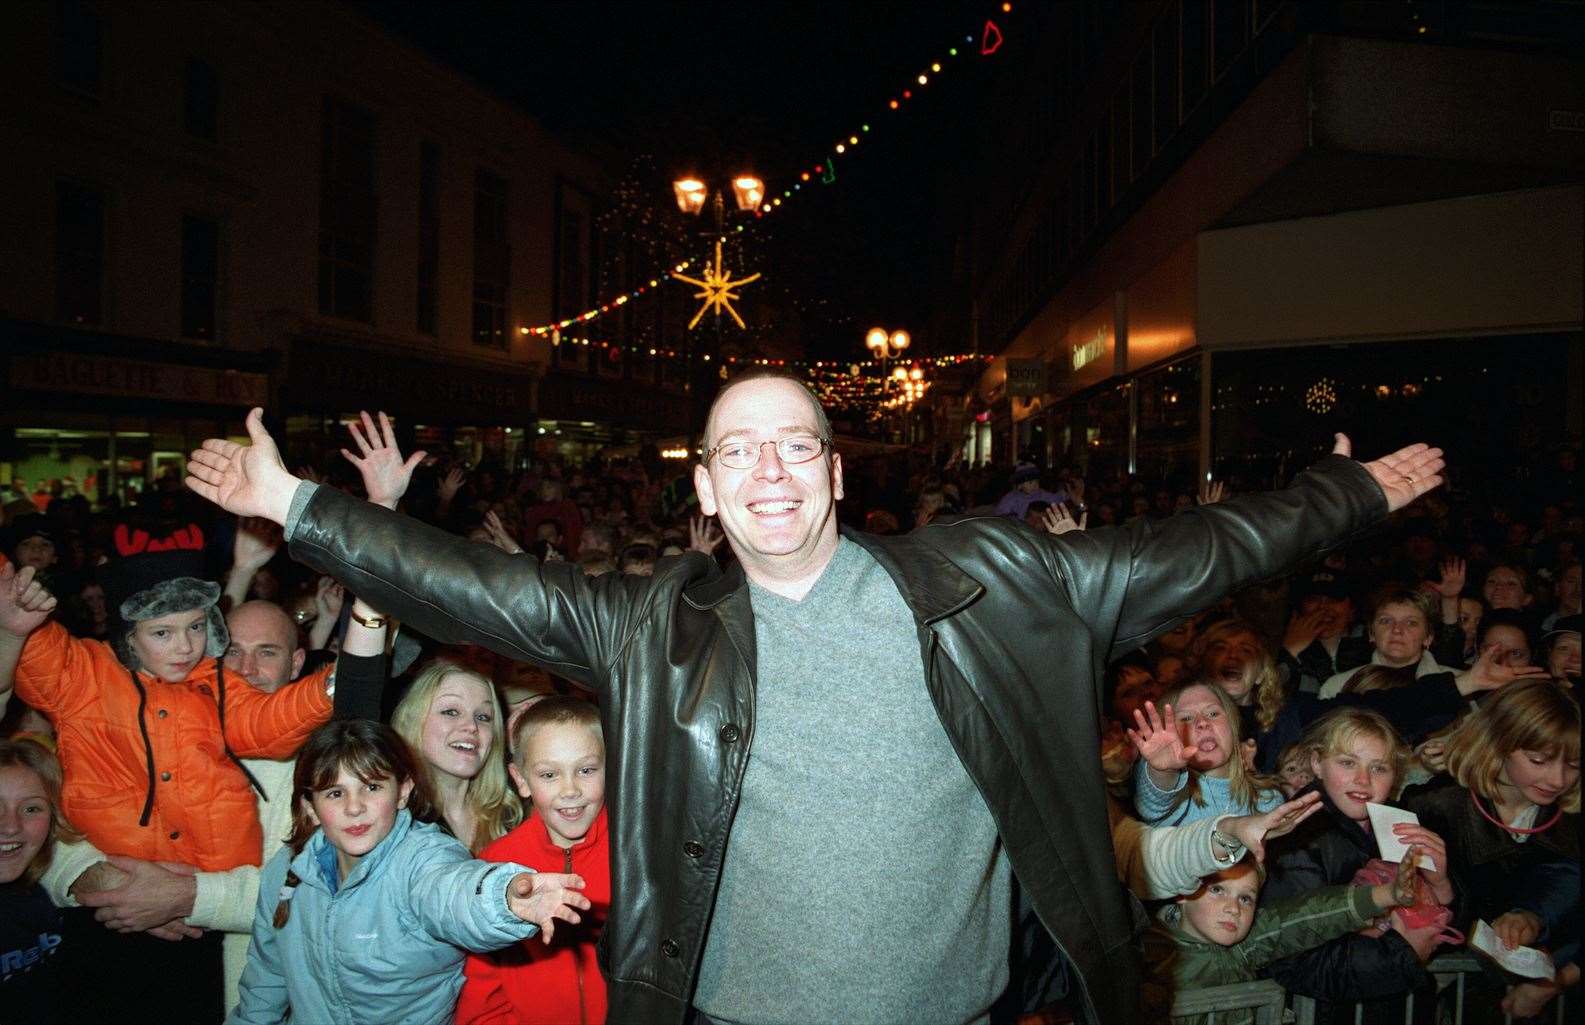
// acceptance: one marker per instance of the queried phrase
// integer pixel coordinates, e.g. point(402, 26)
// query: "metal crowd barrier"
point(1450, 972)
point(1266, 1000)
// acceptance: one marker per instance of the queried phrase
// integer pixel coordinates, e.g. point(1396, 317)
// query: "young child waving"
point(362, 914)
point(1191, 760)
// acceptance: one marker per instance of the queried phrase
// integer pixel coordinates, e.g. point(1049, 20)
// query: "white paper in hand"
point(1382, 819)
point(1525, 961)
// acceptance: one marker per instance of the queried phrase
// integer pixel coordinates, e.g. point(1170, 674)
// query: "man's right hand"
point(249, 480)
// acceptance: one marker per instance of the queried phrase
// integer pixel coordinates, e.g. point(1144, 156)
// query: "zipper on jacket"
point(577, 960)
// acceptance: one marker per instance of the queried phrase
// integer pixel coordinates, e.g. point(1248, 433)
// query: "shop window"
point(1167, 440)
point(491, 260)
point(201, 100)
point(428, 312)
point(79, 253)
point(79, 46)
point(1491, 403)
point(200, 276)
point(347, 212)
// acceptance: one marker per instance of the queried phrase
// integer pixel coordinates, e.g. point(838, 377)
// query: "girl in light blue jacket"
point(366, 913)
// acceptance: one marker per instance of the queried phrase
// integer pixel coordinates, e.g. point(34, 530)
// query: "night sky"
point(771, 86)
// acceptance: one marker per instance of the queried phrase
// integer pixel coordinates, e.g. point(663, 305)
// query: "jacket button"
point(670, 948)
point(177, 835)
point(693, 848)
point(163, 713)
point(729, 733)
point(165, 777)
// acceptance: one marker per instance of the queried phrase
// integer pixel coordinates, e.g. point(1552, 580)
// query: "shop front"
point(107, 416)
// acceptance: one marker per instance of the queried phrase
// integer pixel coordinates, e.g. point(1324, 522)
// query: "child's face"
point(1540, 777)
point(1362, 773)
point(356, 815)
point(1228, 661)
point(459, 732)
point(24, 820)
point(1204, 727)
point(561, 769)
point(1222, 910)
point(1295, 775)
point(171, 646)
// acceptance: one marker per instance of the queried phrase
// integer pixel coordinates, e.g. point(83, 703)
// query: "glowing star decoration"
point(717, 293)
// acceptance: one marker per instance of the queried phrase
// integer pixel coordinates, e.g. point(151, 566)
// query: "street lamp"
point(886, 345)
point(691, 192)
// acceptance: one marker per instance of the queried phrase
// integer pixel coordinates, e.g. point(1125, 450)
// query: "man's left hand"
point(1403, 475)
point(153, 895)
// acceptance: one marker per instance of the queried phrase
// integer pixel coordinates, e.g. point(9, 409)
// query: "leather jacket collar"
point(932, 585)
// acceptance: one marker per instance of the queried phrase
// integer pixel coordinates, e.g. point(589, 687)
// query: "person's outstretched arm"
point(456, 592)
point(1130, 584)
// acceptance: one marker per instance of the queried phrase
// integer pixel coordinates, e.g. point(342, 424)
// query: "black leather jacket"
point(1014, 628)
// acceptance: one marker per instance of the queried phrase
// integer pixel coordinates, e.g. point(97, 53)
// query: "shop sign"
point(1566, 120)
point(328, 377)
point(564, 397)
point(1026, 377)
point(1085, 353)
point(130, 378)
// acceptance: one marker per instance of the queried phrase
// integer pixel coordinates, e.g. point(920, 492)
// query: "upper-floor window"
point(200, 276)
point(428, 237)
point(201, 100)
point(492, 257)
point(79, 45)
point(79, 253)
point(347, 212)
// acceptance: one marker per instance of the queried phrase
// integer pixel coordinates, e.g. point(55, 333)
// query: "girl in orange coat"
point(151, 731)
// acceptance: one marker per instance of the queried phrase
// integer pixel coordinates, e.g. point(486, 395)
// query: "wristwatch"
point(1233, 847)
point(373, 622)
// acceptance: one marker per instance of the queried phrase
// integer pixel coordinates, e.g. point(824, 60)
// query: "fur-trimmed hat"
point(161, 579)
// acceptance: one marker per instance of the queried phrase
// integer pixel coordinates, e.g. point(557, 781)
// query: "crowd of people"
point(328, 780)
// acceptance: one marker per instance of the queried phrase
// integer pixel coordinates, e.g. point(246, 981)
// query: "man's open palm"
point(1403, 475)
point(249, 480)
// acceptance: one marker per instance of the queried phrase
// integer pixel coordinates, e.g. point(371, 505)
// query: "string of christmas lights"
point(846, 366)
point(989, 42)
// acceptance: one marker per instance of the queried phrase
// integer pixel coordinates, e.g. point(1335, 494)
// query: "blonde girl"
point(1509, 806)
point(1357, 759)
point(1192, 760)
point(451, 716)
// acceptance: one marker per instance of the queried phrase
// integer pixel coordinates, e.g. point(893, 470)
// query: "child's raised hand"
point(543, 897)
point(1157, 739)
point(1254, 830)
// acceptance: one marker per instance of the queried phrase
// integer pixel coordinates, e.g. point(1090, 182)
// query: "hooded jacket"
point(383, 945)
point(532, 984)
point(147, 772)
point(1179, 961)
point(1014, 629)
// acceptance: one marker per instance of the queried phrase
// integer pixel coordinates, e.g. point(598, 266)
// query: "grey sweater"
point(864, 880)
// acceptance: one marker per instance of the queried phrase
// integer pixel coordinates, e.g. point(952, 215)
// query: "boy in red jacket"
point(559, 765)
